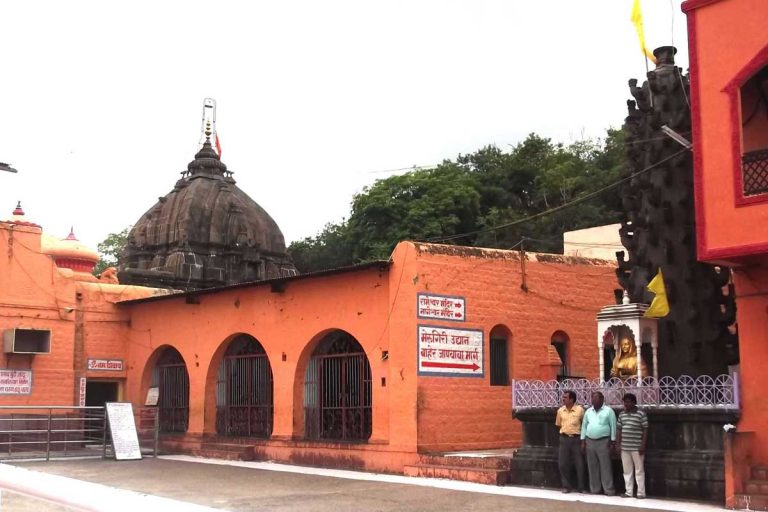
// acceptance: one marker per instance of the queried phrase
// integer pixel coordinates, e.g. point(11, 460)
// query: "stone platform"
point(684, 458)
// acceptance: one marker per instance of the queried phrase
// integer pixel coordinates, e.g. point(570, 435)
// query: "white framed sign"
point(15, 382)
point(109, 365)
point(441, 307)
point(448, 352)
point(82, 391)
point(153, 395)
point(122, 427)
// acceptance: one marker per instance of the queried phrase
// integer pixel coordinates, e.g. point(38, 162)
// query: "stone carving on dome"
point(206, 232)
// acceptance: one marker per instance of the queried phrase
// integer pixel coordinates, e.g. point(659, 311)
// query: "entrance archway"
point(244, 390)
point(337, 390)
point(172, 380)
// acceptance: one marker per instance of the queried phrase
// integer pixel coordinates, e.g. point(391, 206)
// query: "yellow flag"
point(659, 307)
point(637, 20)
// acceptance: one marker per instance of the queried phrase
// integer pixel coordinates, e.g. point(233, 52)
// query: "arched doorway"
point(244, 390)
point(337, 390)
point(561, 343)
point(172, 380)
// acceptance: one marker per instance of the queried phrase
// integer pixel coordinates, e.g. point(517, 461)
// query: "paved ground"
point(270, 487)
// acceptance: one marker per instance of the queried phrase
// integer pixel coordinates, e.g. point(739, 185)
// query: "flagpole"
point(648, 72)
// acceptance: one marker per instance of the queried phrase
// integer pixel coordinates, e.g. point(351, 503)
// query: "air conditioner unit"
point(27, 341)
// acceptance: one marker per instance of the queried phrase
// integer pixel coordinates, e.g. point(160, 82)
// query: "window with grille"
point(754, 134)
point(499, 362)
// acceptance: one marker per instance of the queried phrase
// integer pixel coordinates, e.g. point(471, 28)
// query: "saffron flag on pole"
point(218, 144)
point(637, 20)
point(659, 307)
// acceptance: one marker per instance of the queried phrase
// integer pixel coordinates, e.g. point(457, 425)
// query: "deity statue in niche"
point(626, 360)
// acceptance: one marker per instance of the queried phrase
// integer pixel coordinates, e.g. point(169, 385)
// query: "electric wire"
point(565, 206)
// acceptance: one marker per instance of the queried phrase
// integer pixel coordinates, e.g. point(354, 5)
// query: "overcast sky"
point(102, 101)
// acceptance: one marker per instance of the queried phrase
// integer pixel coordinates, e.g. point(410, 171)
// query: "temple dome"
point(70, 253)
point(205, 232)
point(19, 218)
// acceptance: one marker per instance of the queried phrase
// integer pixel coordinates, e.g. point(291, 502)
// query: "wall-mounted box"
point(27, 341)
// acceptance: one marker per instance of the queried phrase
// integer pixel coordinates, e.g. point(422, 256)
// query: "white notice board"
point(122, 427)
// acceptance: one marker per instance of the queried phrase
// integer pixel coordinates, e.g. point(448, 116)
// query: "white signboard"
point(450, 352)
point(153, 394)
point(82, 391)
point(122, 427)
point(110, 365)
point(15, 382)
point(441, 307)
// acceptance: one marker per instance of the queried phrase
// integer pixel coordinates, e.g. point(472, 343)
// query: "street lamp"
point(7, 167)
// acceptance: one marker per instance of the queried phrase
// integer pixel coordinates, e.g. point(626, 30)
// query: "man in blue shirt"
point(598, 439)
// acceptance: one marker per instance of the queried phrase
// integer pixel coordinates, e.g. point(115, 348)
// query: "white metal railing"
point(685, 392)
point(45, 432)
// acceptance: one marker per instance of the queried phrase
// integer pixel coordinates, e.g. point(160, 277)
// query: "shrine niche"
point(627, 342)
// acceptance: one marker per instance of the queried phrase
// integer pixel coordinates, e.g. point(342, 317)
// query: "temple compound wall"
point(365, 367)
point(70, 315)
point(370, 365)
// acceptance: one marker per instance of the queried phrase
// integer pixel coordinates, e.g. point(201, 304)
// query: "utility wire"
point(557, 208)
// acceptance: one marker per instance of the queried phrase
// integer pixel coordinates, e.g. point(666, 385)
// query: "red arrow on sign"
point(460, 366)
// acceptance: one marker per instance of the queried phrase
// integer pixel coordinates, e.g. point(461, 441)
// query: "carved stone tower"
point(206, 232)
point(698, 336)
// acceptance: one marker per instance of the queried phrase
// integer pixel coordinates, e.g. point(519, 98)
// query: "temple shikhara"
point(441, 360)
point(206, 232)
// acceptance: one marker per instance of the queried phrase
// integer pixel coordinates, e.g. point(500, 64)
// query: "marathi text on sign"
point(82, 391)
point(122, 427)
point(453, 352)
point(113, 365)
point(15, 382)
point(441, 307)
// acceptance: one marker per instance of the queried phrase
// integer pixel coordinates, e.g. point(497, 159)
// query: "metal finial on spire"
point(208, 126)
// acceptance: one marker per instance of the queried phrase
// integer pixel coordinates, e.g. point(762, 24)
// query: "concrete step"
point(750, 502)
point(755, 487)
point(504, 463)
point(760, 473)
point(229, 451)
point(224, 454)
point(463, 473)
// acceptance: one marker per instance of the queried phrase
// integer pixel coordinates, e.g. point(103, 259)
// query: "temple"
point(404, 364)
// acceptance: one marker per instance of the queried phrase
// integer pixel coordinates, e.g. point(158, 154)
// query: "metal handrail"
point(46, 407)
point(60, 431)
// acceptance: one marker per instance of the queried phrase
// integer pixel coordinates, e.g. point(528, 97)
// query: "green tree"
point(110, 249)
point(331, 248)
point(477, 193)
point(416, 205)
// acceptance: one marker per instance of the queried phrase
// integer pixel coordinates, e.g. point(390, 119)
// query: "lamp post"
point(7, 167)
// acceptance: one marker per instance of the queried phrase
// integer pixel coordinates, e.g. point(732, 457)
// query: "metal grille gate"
point(173, 381)
point(244, 393)
point(337, 392)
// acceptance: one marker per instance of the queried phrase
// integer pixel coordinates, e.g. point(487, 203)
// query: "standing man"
point(598, 439)
point(569, 418)
point(633, 434)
